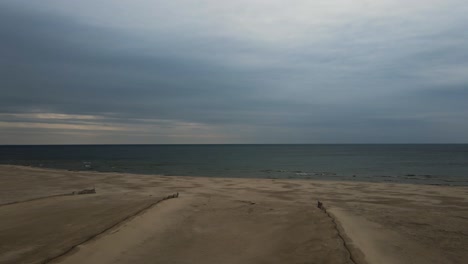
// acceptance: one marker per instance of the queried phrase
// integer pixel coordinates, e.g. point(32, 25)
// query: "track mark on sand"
point(127, 218)
point(38, 198)
point(346, 246)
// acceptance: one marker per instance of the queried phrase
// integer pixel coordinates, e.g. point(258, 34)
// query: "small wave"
point(87, 164)
point(384, 176)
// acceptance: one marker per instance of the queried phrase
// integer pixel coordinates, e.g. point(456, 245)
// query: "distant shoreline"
point(357, 180)
point(418, 164)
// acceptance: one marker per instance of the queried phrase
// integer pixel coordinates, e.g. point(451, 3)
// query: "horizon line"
point(200, 144)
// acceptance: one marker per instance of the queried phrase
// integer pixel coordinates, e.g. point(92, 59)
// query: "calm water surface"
point(427, 164)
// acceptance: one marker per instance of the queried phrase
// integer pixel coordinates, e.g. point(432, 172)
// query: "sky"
point(246, 71)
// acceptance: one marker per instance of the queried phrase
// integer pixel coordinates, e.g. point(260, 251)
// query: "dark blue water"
point(426, 164)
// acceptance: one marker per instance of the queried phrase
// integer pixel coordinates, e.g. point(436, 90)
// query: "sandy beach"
point(225, 220)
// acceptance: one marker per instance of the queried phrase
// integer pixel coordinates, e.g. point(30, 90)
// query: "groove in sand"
point(129, 217)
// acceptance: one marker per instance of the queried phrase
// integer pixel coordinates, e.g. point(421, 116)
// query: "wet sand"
point(222, 220)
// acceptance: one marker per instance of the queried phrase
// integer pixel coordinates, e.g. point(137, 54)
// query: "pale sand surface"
point(221, 220)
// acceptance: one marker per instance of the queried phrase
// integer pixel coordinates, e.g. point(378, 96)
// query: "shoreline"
point(425, 164)
point(353, 180)
point(383, 222)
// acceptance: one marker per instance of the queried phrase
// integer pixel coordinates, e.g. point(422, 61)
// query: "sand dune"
point(220, 220)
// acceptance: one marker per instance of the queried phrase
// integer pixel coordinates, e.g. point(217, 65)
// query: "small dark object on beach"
point(175, 195)
point(87, 191)
point(247, 202)
point(319, 205)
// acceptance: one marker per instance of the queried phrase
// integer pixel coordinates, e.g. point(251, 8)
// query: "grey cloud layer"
point(369, 79)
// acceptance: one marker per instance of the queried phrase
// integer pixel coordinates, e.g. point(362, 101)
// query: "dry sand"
point(221, 220)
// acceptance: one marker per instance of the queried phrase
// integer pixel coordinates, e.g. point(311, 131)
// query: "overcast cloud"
point(335, 71)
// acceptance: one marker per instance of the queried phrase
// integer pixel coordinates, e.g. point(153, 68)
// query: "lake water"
point(445, 164)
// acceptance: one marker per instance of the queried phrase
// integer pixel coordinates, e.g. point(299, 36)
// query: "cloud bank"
point(337, 71)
